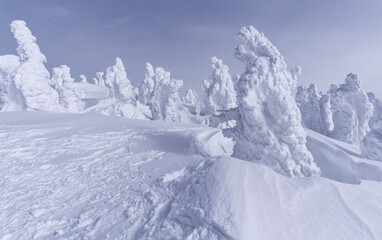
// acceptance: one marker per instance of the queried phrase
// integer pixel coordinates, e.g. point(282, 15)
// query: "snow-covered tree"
point(95, 81)
point(116, 80)
point(315, 109)
point(11, 98)
point(83, 79)
point(326, 114)
point(372, 143)
point(377, 113)
point(146, 87)
point(351, 109)
point(269, 128)
point(69, 96)
point(100, 79)
point(371, 146)
point(191, 100)
point(219, 92)
point(165, 101)
point(31, 77)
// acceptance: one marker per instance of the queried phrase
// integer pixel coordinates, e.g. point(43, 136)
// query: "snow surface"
point(90, 176)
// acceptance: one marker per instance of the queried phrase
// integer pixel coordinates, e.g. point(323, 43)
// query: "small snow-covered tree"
point(83, 79)
point(11, 98)
point(377, 113)
point(146, 87)
point(326, 114)
point(31, 77)
point(269, 128)
point(100, 79)
point(120, 87)
point(165, 101)
point(191, 100)
point(372, 143)
point(351, 109)
point(219, 92)
point(69, 97)
point(315, 109)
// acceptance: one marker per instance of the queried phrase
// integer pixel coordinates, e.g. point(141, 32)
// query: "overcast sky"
point(327, 38)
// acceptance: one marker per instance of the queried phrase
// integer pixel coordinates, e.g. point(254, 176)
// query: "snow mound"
point(340, 161)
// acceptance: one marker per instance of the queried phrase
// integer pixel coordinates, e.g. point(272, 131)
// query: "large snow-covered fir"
point(254, 154)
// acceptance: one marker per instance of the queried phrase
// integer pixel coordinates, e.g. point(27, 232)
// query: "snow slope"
point(89, 176)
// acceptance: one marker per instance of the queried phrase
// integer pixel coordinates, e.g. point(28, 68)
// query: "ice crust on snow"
point(269, 130)
point(219, 92)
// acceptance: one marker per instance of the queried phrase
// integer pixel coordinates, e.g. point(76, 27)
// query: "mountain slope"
point(89, 176)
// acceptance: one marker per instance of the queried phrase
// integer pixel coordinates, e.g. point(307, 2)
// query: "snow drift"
point(75, 176)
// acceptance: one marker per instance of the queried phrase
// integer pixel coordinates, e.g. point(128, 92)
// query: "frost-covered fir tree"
point(219, 91)
point(31, 78)
point(326, 114)
point(69, 96)
point(377, 113)
point(100, 79)
point(116, 80)
point(372, 143)
point(146, 87)
point(315, 109)
point(11, 98)
point(83, 79)
point(121, 95)
point(269, 129)
point(165, 102)
point(351, 109)
point(191, 100)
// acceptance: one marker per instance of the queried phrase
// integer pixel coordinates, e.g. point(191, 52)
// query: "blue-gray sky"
point(328, 38)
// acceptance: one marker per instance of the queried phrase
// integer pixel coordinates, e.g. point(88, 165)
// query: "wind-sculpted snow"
point(351, 109)
point(31, 77)
point(315, 109)
point(219, 92)
point(88, 176)
point(269, 130)
point(69, 96)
